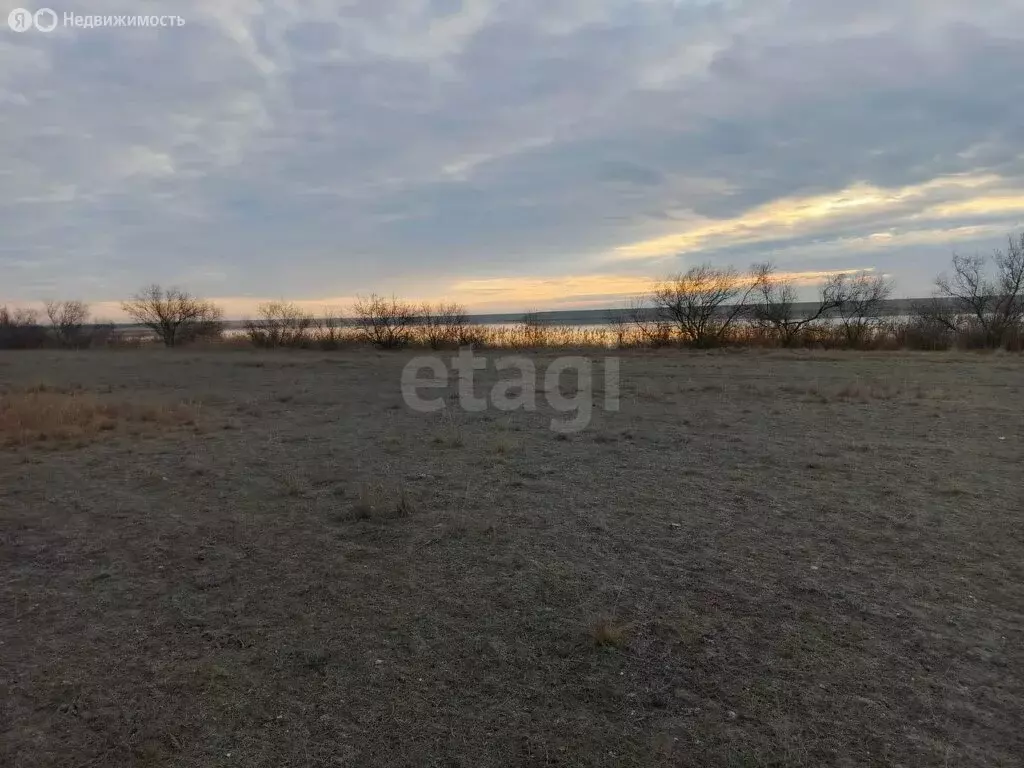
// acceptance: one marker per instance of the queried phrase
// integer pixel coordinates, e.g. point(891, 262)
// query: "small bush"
point(443, 325)
point(331, 331)
point(384, 323)
point(279, 324)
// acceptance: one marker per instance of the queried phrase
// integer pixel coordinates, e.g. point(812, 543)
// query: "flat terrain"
point(263, 559)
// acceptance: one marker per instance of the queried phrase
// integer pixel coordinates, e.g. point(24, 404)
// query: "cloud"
point(495, 295)
point(310, 148)
point(919, 211)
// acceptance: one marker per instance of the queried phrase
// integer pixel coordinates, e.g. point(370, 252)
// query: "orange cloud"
point(567, 290)
point(501, 294)
point(581, 291)
point(802, 216)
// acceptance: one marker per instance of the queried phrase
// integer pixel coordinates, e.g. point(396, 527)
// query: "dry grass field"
point(267, 559)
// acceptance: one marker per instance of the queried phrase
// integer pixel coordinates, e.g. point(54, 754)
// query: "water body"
point(589, 318)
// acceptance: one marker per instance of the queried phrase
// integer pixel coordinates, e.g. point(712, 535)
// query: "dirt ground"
point(761, 559)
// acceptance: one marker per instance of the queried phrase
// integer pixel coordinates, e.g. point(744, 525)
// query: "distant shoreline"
point(589, 317)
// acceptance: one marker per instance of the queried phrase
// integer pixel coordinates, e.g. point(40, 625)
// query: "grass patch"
point(44, 415)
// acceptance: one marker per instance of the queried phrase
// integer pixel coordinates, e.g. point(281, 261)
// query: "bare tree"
point(444, 324)
point(19, 317)
point(651, 327)
point(703, 303)
point(933, 324)
point(995, 304)
point(174, 315)
point(67, 321)
point(775, 309)
point(385, 323)
point(1010, 283)
point(859, 299)
point(20, 329)
point(279, 324)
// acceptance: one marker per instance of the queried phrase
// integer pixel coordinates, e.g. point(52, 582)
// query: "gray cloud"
point(290, 147)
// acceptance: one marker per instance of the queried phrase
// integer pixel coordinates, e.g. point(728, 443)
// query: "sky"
point(511, 155)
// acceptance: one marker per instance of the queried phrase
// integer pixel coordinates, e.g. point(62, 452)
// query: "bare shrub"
point(20, 329)
point(474, 335)
point(618, 323)
point(859, 299)
point(703, 303)
point(651, 328)
point(533, 331)
point(279, 324)
point(774, 306)
point(175, 316)
point(629, 329)
point(330, 330)
point(67, 322)
point(444, 324)
point(932, 325)
point(987, 298)
point(386, 323)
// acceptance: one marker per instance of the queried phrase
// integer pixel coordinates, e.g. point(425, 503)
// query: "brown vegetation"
point(386, 323)
point(279, 324)
point(444, 325)
point(42, 414)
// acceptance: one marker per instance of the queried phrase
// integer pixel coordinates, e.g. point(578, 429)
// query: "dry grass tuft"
point(294, 485)
point(503, 446)
point(866, 392)
point(608, 633)
point(404, 507)
point(376, 501)
point(368, 503)
point(43, 414)
point(451, 435)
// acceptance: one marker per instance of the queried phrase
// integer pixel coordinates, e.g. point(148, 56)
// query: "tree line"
point(978, 304)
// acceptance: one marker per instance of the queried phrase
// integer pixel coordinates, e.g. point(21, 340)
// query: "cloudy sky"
point(510, 154)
